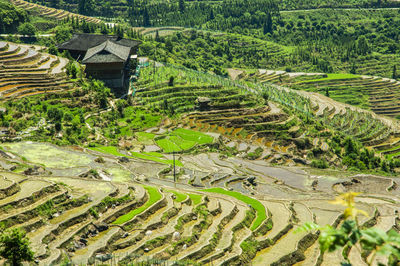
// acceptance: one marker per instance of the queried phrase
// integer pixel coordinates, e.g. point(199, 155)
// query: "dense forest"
point(235, 34)
point(11, 17)
point(164, 12)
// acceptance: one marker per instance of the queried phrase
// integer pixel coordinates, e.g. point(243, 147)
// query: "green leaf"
point(394, 237)
point(354, 237)
point(331, 239)
point(374, 236)
point(388, 249)
point(309, 226)
point(349, 226)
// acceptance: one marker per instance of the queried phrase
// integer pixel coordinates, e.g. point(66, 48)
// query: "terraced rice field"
point(52, 156)
point(372, 93)
point(227, 221)
point(162, 31)
point(28, 72)
point(258, 128)
point(52, 12)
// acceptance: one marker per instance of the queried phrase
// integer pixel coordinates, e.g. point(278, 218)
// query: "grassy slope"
point(154, 196)
point(179, 196)
point(338, 76)
point(260, 209)
point(195, 198)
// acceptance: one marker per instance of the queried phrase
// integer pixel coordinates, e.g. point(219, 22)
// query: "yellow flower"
point(347, 200)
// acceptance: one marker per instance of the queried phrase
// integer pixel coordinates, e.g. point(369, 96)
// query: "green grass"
point(154, 154)
point(109, 150)
point(179, 196)
point(168, 146)
point(155, 157)
point(145, 156)
point(154, 196)
point(392, 155)
point(183, 144)
point(260, 209)
point(191, 135)
point(195, 198)
point(334, 77)
point(391, 149)
point(144, 136)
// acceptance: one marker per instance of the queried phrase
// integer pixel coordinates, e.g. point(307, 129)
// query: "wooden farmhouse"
point(106, 57)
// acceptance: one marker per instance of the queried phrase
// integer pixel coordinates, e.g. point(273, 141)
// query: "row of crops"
point(362, 125)
point(52, 12)
point(27, 72)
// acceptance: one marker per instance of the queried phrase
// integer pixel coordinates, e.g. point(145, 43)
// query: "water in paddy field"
point(49, 155)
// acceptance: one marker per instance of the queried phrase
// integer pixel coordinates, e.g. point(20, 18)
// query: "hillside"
point(242, 122)
point(86, 219)
point(27, 71)
point(51, 12)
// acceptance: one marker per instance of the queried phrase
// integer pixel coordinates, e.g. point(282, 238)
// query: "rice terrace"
point(183, 132)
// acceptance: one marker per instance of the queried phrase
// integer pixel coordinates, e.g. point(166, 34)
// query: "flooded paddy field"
point(85, 204)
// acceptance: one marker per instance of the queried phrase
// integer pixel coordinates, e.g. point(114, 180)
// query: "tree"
point(11, 17)
point(72, 69)
point(54, 3)
point(55, 114)
point(169, 45)
point(353, 69)
point(121, 104)
point(181, 6)
point(211, 16)
point(63, 33)
point(27, 29)
point(58, 126)
point(146, 18)
point(68, 117)
point(362, 45)
point(14, 246)
point(268, 25)
point(157, 38)
point(171, 81)
point(81, 7)
point(394, 73)
point(52, 49)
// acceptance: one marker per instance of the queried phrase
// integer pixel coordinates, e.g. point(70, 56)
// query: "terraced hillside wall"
point(25, 71)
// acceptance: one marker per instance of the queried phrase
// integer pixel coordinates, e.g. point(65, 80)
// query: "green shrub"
point(322, 164)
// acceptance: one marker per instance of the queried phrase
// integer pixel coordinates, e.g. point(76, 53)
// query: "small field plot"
point(182, 143)
point(183, 139)
point(150, 156)
point(119, 174)
point(109, 150)
point(190, 135)
point(144, 137)
point(154, 196)
point(195, 198)
point(155, 158)
point(334, 76)
point(95, 188)
point(49, 155)
point(260, 209)
point(179, 197)
point(168, 146)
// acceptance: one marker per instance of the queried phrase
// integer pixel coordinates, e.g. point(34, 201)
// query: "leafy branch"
point(373, 241)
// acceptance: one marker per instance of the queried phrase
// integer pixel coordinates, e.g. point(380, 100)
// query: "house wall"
point(77, 55)
point(112, 74)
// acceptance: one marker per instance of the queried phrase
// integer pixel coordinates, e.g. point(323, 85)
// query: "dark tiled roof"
point(107, 52)
point(84, 41)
